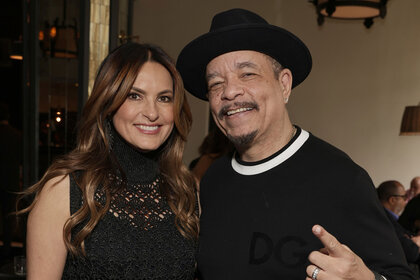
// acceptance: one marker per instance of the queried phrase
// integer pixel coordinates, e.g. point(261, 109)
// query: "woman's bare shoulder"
point(55, 197)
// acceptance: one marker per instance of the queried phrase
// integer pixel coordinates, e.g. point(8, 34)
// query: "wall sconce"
point(410, 124)
point(350, 9)
point(124, 38)
point(64, 43)
point(60, 40)
point(17, 50)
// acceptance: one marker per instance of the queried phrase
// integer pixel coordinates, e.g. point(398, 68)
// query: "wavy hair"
point(93, 157)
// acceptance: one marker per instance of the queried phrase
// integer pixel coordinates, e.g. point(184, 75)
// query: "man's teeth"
point(148, 127)
point(232, 112)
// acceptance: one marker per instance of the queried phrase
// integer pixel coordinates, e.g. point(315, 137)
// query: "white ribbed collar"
point(267, 165)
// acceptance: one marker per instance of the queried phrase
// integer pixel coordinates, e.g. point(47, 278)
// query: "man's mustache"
point(223, 111)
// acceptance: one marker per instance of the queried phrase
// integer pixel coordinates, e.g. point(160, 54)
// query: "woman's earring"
point(286, 99)
point(109, 133)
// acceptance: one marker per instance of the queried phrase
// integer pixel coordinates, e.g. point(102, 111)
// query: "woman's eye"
point(133, 95)
point(165, 99)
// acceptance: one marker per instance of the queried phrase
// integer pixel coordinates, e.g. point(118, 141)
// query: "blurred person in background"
point(214, 145)
point(393, 198)
point(410, 218)
point(414, 189)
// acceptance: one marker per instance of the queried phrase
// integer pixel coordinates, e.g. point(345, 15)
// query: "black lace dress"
point(137, 238)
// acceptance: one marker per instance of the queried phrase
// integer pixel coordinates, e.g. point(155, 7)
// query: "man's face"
point(246, 99)
point(415, 184)
point(399, 200)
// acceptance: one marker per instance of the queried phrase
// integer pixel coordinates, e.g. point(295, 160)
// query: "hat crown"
point(235, 17)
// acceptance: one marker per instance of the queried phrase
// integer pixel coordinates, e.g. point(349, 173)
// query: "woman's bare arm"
point(46, 251)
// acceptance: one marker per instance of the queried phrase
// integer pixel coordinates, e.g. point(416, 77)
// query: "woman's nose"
point(150, 111)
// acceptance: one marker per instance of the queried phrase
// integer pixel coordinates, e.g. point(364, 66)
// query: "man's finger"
point(332, 245)
point(315, 271)
point(324, 251)
point(320, 260)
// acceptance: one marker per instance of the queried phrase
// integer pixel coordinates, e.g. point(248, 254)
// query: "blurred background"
point(364, 76)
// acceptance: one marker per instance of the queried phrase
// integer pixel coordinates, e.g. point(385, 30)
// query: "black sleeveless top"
point(137, 238)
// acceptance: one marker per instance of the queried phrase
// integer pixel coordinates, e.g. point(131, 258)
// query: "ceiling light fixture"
point(410, 124)
point(350, 9)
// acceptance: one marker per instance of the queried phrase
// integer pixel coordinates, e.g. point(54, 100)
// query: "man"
point(393, 198)
point(410, 218)
point(259, 208)
point(414, 188)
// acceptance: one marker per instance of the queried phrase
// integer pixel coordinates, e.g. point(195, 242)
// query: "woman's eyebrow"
point(137, 89)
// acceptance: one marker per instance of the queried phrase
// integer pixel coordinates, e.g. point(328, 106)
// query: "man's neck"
point(392, 213)
point(257, 151)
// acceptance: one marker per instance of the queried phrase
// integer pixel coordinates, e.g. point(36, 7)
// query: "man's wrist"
point(378, 276)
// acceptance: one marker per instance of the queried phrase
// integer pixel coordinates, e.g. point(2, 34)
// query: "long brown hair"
point(93, 157)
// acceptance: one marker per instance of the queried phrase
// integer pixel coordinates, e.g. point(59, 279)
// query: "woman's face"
point(145, 119)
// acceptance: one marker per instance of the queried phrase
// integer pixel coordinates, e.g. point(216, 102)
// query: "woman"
point(121, 205)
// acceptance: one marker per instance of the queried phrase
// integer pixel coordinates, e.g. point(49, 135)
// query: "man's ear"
point(286, 80)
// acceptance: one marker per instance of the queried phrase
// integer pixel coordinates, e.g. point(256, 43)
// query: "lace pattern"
point(141, 206)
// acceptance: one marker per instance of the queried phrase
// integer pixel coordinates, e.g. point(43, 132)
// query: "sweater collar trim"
point(264, 165)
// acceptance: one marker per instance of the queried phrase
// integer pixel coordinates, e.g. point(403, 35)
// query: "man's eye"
point(215, 85)
point(249, 74)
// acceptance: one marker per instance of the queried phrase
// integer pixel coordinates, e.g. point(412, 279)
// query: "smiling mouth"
point(239, 110)
point(237, 107)
point(148, 127)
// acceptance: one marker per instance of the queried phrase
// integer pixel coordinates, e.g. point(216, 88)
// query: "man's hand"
point(335, 260)
point(416, 239)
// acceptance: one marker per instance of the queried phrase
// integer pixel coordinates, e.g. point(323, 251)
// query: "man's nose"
point(232, 90)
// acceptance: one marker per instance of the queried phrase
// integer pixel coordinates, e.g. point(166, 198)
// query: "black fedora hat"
point(235, 30)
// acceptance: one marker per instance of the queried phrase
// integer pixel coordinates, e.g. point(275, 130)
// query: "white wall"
point(360, 82)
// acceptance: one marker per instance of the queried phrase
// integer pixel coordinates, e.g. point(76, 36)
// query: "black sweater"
point(257, 217)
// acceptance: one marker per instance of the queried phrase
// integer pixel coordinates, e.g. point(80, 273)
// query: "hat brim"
point(271, 40)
